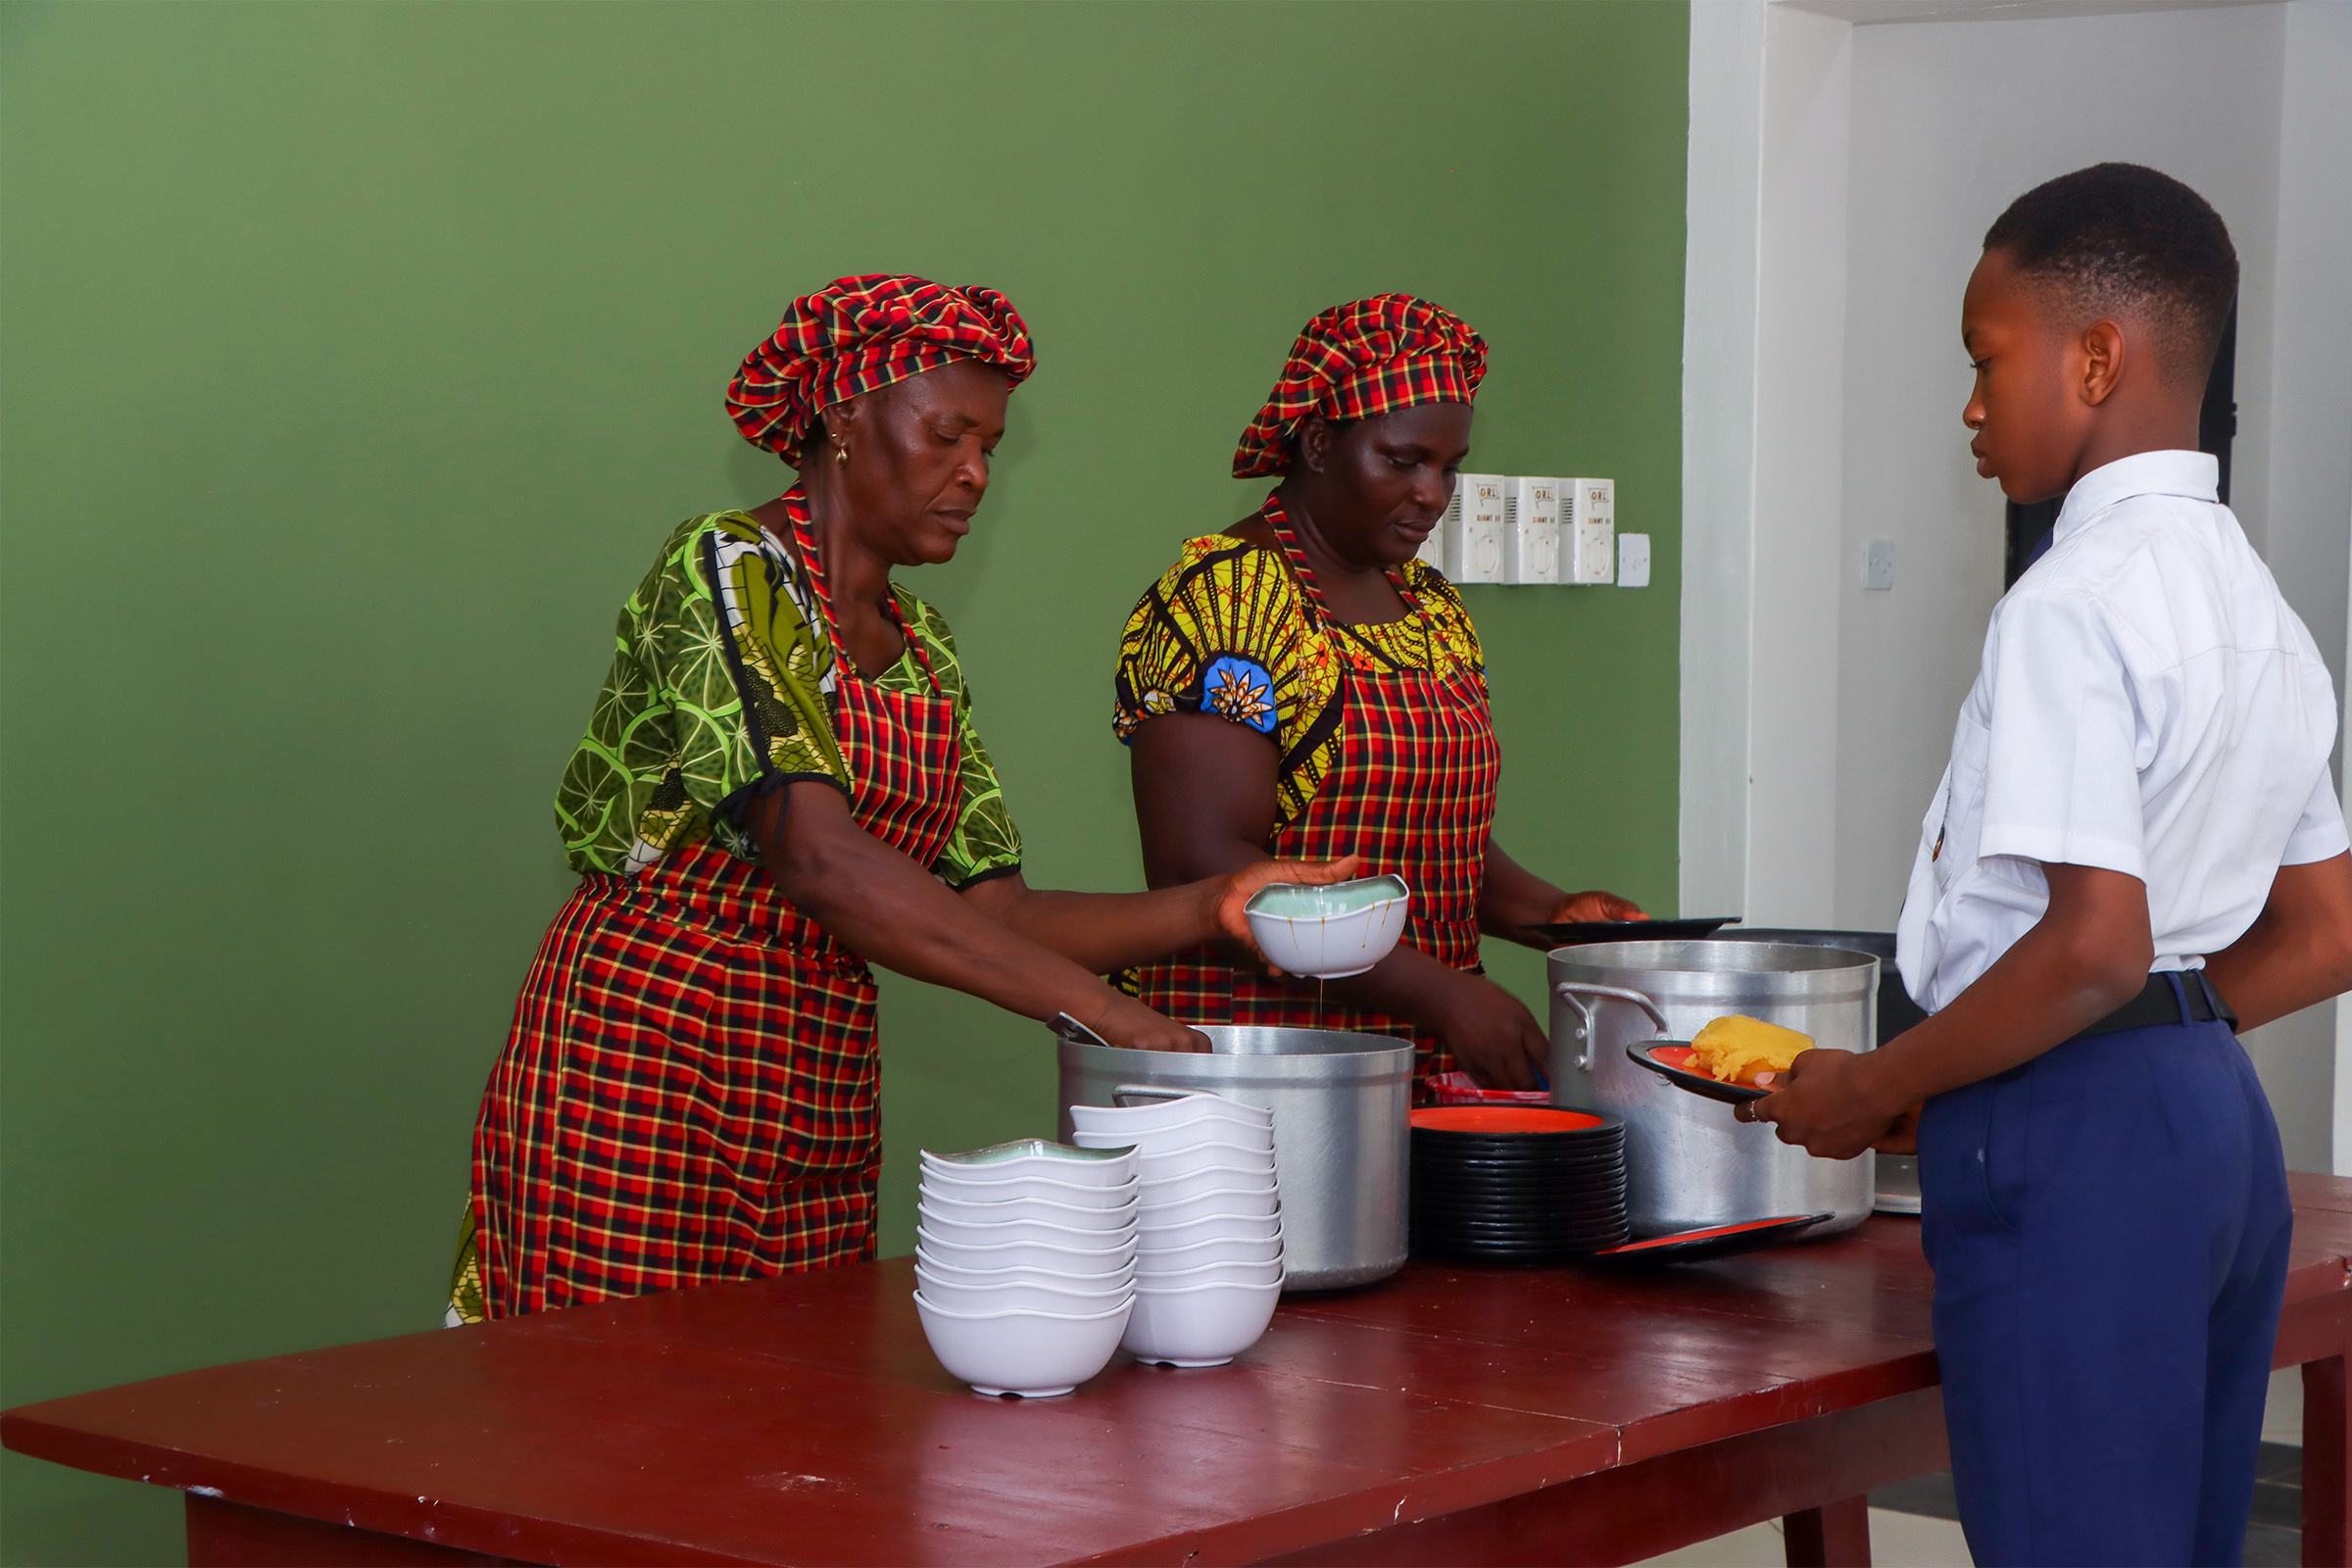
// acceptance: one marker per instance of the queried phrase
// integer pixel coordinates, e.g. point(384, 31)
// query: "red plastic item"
point(1459, 1088)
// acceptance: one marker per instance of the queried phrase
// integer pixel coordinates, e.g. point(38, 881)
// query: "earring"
point(841, 454)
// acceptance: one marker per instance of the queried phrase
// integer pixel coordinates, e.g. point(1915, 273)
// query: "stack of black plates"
point(1516, 1184)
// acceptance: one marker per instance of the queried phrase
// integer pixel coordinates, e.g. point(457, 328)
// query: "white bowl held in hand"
point(1212, 1227)
point(1118, 1278)
point(1205, 1274)
point(981, 1256)
point(1015, 1296)
point(1160, 1142)
point(930, 1206)
point(1155, 1114)
point(1033, 1156)
point(1212, 1250)
point(937, 1182)
point(1036, 1355)
point(1203, 1325)
point(1328, 932)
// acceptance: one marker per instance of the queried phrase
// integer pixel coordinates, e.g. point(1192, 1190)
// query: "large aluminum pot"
point(1342, 1134)
point(1898, 1174)
point(1689, 1163)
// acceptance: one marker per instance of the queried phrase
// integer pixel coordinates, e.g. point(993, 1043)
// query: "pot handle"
point(1569, 990)
point(1126, 1091)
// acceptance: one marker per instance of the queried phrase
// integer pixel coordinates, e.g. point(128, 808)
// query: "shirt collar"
point(2195, 476)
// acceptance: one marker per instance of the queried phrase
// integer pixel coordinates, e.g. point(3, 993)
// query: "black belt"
point(2192, 1000)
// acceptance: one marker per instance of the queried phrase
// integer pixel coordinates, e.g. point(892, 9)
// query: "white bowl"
point(1033, 1156)
point(1118, 1278)
point(1254, 1202)
point(1152, 1114)
point(1200, 1156)
point(1017, 1297)
point(1327, 932)
point(1036, 1355)
point(1065, 1216)
point(1202, 1325)
point(1214, 1249)
point(1206, 1274)
point(1210, 1179)
point(964, 1233)
point(1073, 1261)
point(937, 1182)
point(1215, 1132)
point(1169, 1237)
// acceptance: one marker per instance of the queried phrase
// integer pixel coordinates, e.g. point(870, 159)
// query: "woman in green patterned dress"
point(780, 781)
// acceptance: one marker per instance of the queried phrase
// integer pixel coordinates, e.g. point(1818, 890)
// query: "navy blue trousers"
point(2108, 1225)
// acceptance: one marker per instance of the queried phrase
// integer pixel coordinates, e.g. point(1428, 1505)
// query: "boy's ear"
point(2103, 351)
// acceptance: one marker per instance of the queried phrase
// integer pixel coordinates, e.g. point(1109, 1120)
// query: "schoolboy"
point(2136, 835)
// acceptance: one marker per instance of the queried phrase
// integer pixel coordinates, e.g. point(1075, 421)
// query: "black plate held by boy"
point(1671, 1060)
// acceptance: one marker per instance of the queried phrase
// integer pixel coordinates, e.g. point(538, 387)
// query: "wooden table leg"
point(2326, 1453)
point(1836, 1535)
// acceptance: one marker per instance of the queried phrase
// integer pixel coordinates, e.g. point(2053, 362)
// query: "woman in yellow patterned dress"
point(1303, 680)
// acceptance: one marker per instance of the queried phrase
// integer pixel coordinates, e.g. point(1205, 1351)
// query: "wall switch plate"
point(1633, 561)
point(1473, 528)
point(1530, 530)
point(1589, 531)
point(1878, 565)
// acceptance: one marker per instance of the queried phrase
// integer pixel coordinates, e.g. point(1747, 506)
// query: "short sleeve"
point(2066, 737)
point(985, 844)
point(718, 689)
point(1220, 633)
point(2320, 835)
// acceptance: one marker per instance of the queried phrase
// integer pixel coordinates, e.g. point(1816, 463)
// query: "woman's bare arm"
point(897, 914)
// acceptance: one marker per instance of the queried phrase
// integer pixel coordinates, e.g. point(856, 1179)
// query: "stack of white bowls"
point(1024, 1262)
point(1209, 1270)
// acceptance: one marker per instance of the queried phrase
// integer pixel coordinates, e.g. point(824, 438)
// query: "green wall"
point(355, 359)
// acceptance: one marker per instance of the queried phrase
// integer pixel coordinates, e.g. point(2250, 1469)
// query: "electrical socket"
point(1589, 531)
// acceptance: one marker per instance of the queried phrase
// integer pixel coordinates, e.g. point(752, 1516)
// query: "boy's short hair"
point(2120, 237)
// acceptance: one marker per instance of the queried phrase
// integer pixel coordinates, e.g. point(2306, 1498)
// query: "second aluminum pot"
point(1688, 1165)
point(1342, 1105)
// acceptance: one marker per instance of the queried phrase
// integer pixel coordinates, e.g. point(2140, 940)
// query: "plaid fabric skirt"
point(689, 1094)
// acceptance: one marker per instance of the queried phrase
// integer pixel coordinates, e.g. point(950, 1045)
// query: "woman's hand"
point(1576, 908)
point(1130, 1025)
point(1233, 892)
point(1495, 1039)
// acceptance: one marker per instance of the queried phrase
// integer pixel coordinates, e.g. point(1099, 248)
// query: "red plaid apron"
point(689, 1091)
point(1412, 791)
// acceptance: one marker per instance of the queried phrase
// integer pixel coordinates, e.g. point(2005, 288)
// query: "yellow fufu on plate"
point(1737, 1048)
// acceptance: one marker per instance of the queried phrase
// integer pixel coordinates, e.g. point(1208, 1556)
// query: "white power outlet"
point(1473, 528)
point(1878, 565)
point(1588, 529)
point(1530, 530)
point(1633, 561)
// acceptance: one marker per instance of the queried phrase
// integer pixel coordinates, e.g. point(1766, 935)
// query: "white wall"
point(1951, 122)
point(1841, 178)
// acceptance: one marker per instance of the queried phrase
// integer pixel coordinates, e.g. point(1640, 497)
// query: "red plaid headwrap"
point(1365, 358)
point(860, 333)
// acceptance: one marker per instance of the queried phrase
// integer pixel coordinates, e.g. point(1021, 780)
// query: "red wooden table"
point(1449, 1415)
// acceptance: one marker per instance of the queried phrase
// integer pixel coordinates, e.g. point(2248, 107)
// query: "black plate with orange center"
point(1670, 1059)
point(1715, 1240)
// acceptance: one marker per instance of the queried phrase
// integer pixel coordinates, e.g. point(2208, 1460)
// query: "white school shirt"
point(2147, 703)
